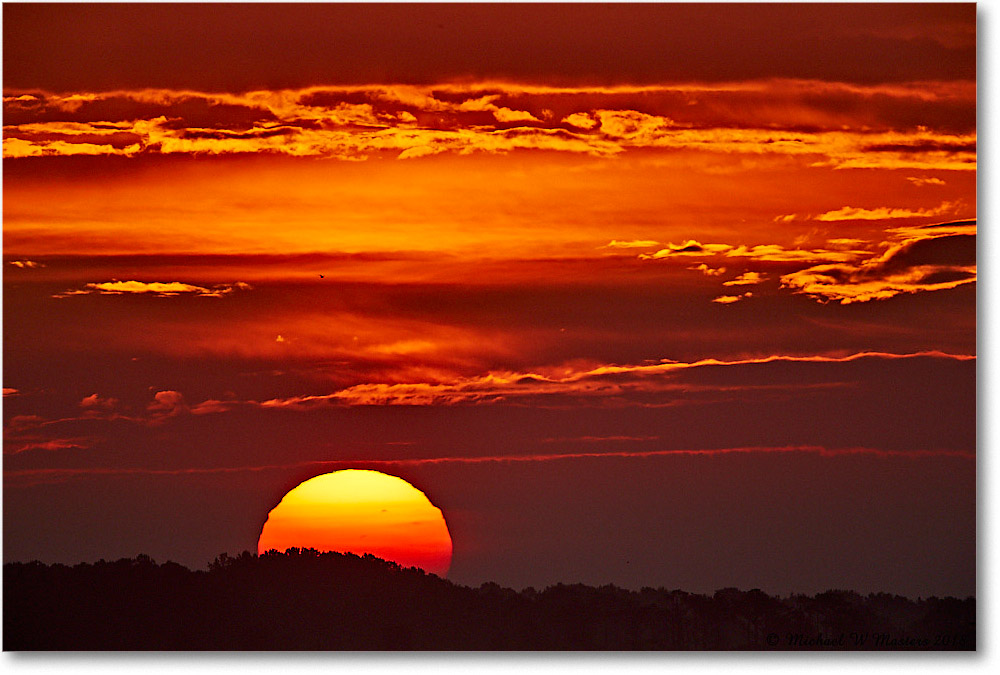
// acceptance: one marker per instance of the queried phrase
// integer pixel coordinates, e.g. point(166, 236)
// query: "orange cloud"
point(885, 213)
point(508, 115)
point(762, 252)
point(746, 279)
point(158, 289)
point(581, 120)
point(709, 271)
point(634, 243)
point(687, 248)
point(905, 232)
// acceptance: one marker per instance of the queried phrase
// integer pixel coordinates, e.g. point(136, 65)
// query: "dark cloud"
point(921, 147)
point(255, 133)
point(954, 250)
point(916, 265)
point(182, 110)
point(949, 225)
point(115, 140)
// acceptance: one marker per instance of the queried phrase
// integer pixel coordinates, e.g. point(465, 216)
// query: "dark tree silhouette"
point(306, 600)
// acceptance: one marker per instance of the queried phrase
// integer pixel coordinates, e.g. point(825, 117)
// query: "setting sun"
point(361, 512)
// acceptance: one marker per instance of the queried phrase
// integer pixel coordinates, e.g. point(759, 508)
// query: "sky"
point(652, 295)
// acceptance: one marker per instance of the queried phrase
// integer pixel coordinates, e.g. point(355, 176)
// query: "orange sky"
point(410, 234)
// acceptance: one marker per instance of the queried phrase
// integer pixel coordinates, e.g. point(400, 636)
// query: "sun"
point(355, 511)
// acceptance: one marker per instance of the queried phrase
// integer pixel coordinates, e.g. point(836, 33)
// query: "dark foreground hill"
point(307, 600)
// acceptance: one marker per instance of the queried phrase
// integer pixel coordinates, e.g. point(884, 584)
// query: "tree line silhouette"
point(306, 600)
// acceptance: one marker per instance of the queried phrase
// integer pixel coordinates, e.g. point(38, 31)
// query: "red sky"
point(658, 295)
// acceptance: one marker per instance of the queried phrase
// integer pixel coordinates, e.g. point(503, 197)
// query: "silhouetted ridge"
point(303, 599)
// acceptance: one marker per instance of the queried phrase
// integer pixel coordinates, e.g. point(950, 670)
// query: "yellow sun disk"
point(361, 512)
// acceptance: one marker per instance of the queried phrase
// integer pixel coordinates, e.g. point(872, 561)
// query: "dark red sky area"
point(272, 46)
point(653, 295)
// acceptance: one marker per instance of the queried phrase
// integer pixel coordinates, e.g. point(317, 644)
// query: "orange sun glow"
point(354, 511)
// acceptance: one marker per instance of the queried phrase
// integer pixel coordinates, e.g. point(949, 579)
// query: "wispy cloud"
point(632, 243)
point(15, 447)
point(923, 181)
point(886, 213)
point(599, 383)
point(42, 476)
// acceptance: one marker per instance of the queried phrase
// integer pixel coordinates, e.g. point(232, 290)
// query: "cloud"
point(730, 299)
point(934, 230)
point(846, 242)
point(213, 406)
point(10, 391)
point(761, 252)
point(96, 403)
point(167, 403)
point(23, 433)
point(155, 288)
point(886, 213)
point(709, 271)
point(411, 121)
point(922, 181)
point(776, 253)
point(170, 288)
point(923, 146)
point(506, 115)
point(15, 447)
point(689, 404)
point(581, 120)
point(633, 126)
point(687, 248)
point(56, 475)
point(599, 383)
point(746, 279)
point(633, 243)
point(916, 265)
